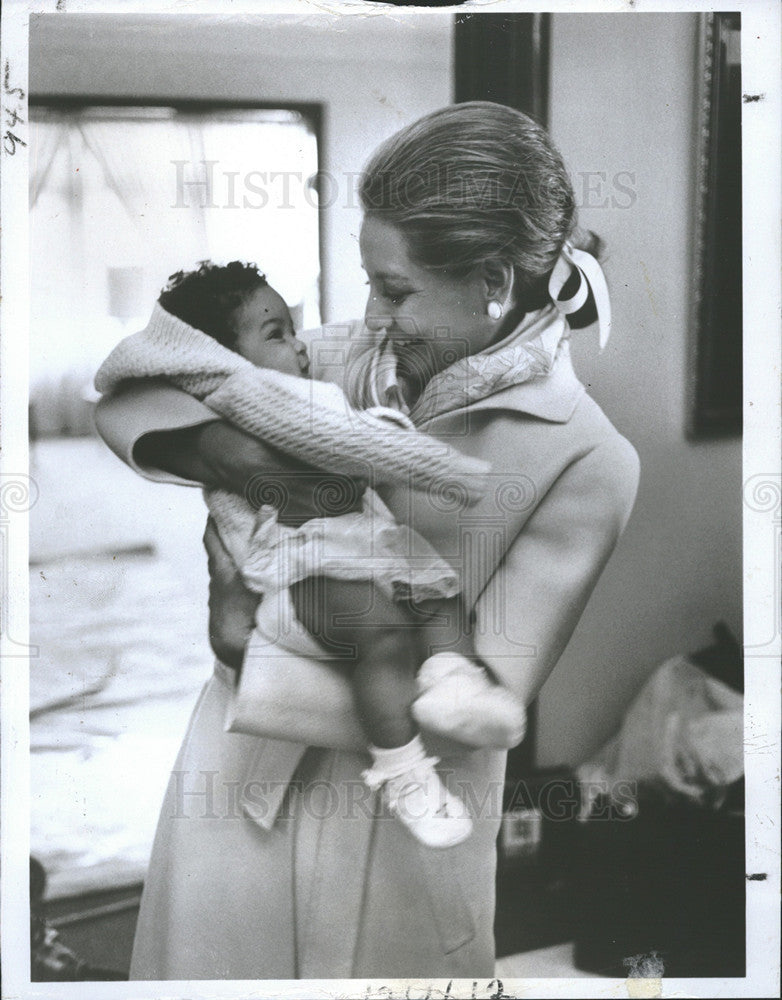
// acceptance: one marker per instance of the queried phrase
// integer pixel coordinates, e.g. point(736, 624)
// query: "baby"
point(370, 591)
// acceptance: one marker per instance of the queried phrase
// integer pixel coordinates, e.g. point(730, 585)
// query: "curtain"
point(121, 198)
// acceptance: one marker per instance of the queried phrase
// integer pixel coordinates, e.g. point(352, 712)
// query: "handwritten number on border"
point(10, 139)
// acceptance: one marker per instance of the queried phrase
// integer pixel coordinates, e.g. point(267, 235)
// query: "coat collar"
point(553, 397)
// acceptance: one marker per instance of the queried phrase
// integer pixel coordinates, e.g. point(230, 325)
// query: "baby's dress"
point(362, 545)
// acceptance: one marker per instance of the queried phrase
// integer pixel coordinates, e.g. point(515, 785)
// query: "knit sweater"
point(314, 422)
point(310, 420)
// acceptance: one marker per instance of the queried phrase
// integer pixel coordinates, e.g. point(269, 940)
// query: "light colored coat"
point(333, 889)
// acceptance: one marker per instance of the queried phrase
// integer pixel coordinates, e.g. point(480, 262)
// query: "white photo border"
point(762, 513)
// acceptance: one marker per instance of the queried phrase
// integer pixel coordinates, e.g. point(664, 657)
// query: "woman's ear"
point(497, 279)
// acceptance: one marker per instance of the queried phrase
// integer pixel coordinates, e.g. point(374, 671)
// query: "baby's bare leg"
point(376, 642)
point(445, 626)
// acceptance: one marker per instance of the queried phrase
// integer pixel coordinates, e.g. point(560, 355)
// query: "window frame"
point(312, 111)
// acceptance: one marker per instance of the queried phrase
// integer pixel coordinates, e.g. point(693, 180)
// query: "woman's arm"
point(124, 418)
point(166, 435)
point(216, 454)
point(232, 606)
point(542, 586)
point(539, 593)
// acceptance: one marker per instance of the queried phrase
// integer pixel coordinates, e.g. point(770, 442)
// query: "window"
point(121, 197)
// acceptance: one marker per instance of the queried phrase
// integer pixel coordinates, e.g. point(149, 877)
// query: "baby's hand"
point(232, 606)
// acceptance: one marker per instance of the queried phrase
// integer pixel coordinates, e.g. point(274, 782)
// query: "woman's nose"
point(374, 319)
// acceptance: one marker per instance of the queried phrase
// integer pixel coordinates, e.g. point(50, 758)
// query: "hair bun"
point(588, 241)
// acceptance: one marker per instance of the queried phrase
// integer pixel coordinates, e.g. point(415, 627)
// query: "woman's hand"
point(231, 605)
point(214, 453)
point(221, 456)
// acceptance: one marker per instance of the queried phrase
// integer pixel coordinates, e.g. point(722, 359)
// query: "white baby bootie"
point(460, 701)
point(417, 796)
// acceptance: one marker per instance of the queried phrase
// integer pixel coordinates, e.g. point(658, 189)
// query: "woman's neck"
point(510, 321)
point(411, 385)
point(412, 380)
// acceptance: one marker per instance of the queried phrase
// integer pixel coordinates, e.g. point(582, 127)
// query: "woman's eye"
point(394, 297)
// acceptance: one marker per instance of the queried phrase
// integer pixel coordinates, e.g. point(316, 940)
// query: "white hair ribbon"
point(591, 276)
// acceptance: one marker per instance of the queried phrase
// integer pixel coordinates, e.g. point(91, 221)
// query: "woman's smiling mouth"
point(403, 343)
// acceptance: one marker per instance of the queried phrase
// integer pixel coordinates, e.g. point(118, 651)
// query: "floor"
point(554, 962)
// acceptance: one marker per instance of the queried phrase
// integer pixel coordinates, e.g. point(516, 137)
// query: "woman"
point(287, 870)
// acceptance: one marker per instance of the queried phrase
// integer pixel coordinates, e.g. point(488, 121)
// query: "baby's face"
point(265, 334)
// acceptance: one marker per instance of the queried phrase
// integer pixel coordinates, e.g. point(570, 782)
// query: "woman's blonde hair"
point(475, 183)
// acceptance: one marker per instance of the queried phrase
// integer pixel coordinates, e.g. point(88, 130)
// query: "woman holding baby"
point(273, 860)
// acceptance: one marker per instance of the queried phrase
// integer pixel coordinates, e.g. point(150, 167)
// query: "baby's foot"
point(459, 700)
point(420, 800)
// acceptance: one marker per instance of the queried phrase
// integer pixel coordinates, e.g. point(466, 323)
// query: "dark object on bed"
point(51, 960)
point(723, 659)
point(665, 881)
point(670, 880)
point(668, 883)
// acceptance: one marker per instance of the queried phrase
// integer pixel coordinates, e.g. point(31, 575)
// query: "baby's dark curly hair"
point(206, 298)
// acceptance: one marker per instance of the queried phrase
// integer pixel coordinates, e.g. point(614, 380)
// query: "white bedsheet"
point(122, 655)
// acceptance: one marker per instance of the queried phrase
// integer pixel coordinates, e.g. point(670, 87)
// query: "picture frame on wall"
point(716, 322)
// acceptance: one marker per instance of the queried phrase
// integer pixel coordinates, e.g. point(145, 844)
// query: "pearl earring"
point(494, 309)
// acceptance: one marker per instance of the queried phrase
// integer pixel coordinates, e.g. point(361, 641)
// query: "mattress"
point(122, 653)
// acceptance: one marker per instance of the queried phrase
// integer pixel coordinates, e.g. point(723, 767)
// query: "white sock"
point(389, 762)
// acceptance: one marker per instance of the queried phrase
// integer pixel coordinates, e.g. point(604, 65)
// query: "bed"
point(118, 619)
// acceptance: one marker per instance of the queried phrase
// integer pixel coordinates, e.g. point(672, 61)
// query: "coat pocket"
point(446, 897)
point(269, 773)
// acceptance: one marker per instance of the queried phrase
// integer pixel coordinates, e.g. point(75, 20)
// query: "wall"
point(384, 72)
point(678, 567)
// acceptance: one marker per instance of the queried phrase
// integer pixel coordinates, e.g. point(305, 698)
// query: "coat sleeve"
point(141, 407)
point(543, 584)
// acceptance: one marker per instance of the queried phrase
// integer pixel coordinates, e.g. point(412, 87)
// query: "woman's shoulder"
point(588, 429)
point(576, 444)
point(608, 466)
point(555, 418)
point(591, 424)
